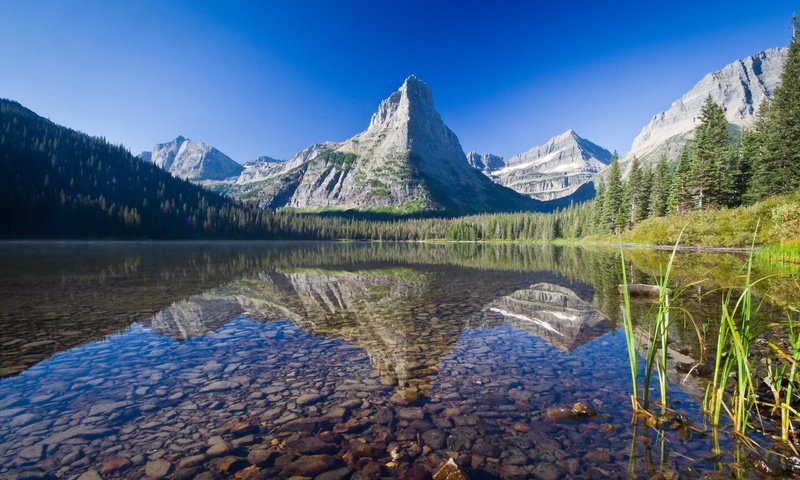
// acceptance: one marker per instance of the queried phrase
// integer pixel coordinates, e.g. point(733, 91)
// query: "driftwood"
point(643, 290)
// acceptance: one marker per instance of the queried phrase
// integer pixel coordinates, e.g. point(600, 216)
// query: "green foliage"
point(659, 189)
point(339, 160)
point(710, 178)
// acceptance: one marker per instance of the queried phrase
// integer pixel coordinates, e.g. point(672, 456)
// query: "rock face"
point(551, 171)
point(258, 169)
point(194, 161)
point(406, 161)
point(485, 162)
point(739, 87)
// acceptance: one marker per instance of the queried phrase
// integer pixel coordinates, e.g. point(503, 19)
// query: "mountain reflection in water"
point(136, 353)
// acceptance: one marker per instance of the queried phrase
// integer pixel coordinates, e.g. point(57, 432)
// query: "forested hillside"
point(58, 182)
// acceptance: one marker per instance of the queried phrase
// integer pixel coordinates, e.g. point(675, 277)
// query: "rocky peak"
point(413, 101)
point(194, 161)
point(553, 170)
point(739, 87)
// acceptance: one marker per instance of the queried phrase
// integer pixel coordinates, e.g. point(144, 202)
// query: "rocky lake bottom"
point(328, 362)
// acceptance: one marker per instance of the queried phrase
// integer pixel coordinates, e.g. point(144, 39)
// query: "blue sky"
point(270, 78)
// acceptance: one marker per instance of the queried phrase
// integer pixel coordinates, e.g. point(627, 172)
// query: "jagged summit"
point(551, 171)
point(412, 100)
point(195, 161)
point(406, 161)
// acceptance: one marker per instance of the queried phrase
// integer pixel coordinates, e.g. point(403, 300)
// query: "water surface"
point(332, 360)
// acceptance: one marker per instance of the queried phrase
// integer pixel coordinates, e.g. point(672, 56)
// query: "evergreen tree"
point(641, 195)
point(779, 169)
point(613, 215)
point(709, 181)
point(660, 188)
point(752, 155)
point(679, 200)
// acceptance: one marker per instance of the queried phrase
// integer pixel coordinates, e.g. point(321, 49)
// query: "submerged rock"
point(449, 470)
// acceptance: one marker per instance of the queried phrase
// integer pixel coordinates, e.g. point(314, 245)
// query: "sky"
point(272, 77)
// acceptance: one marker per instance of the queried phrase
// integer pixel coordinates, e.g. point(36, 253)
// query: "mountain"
point(406, 161)
point(554, 170)
point(739, 87)
point(60, 183)
point(193, 161)
point(261, 167)
point(485, 162)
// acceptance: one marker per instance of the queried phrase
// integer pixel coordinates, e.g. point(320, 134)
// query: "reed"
point(734, 341)
point(627, 325)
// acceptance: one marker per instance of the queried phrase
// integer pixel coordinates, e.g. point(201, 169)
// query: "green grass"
point(778, 217)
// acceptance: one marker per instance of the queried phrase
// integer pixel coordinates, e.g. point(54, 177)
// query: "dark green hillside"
point(58, 182)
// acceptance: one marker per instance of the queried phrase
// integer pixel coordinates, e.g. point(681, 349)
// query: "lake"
point(342, 360)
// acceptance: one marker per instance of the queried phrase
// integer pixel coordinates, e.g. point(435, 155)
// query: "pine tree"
point(710, 182)
point(780, 172)
point(660, 187)
point(613, 216)
point(679, 200)
point(752, 153)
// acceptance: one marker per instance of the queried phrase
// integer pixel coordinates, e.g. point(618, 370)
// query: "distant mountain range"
point(548, 172)
point(408, 161)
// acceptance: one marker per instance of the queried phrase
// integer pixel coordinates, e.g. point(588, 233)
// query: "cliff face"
point(554, 170)
point(740, 87)
point(406, 161)
point(194, 161)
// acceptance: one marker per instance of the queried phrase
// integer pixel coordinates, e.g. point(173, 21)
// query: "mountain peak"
point(738, 87)
point(180, 139)
point(412, 100)
point(565, 135)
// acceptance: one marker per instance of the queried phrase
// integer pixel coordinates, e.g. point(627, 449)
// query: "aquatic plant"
point(734, 340)
point(627, 326)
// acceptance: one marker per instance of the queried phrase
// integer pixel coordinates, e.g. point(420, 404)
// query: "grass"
point(778, 217)
point(659, 337)
point(732, 389)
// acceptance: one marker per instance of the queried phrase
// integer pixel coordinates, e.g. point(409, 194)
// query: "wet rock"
point(33, 452)
point(22, 420)
point(448, 470)
point(360, 450)
point(240, 428)
point(338, 474)
point(107, 407)
point(90, 475)
point(77, 432)
point(459, 442)
point(219, 386)
point(521, 427)
point(579, 410)
point(308, 425)
point(582, 409)
point(409, 413)
point(417, 473)
point(767, 468)
point(114, 464)
point(191, 461)
point(435, 439)
point(486, 448)
point(230, 464)
point(263, 457)
point(157, 469)
point(546, 471)
point(311, 465)
point(218, 449)
point(311, 445)
point(309, 399)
